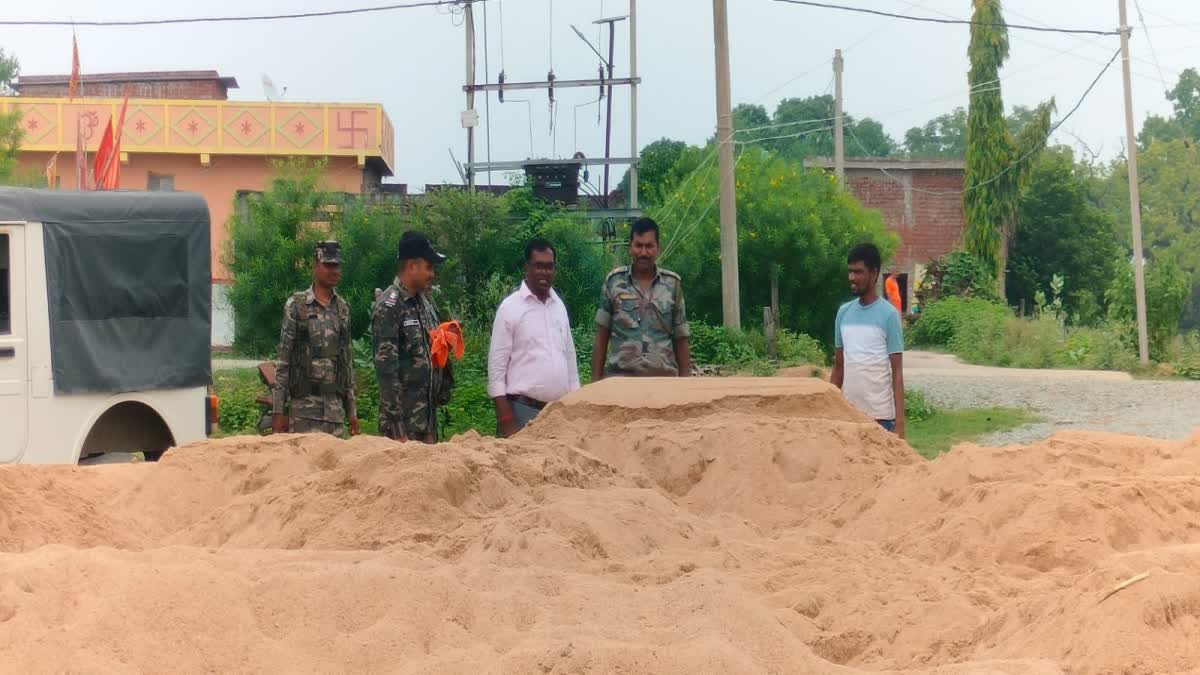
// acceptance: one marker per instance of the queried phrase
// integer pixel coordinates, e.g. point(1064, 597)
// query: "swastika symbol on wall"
point(351, 128)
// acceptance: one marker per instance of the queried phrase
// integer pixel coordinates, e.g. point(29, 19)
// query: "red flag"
point(73, 87)
point(108, 157)
point(103, 155)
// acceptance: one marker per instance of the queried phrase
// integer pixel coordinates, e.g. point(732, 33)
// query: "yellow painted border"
point(170, 105)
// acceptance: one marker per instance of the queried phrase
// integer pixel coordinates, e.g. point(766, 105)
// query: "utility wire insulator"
point(550, 79)
point(500, 91)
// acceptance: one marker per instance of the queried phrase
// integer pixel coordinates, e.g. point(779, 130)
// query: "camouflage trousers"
point(391, 429)
point(303, 425)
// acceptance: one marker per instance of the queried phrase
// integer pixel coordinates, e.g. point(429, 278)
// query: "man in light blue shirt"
point(868, 364)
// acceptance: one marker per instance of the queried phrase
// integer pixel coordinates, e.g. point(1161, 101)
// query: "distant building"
point(921, 201)
point(182, 133)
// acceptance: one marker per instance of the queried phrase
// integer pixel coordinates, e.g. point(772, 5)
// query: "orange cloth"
point(893, 293)
point(444, 339)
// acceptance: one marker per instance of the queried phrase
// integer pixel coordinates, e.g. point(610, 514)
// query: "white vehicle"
point(105, 320)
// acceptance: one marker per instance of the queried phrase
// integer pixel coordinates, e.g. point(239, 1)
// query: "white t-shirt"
point(868, 336)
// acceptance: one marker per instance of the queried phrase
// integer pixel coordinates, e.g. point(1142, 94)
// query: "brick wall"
point(929, 225)
point(177, 89)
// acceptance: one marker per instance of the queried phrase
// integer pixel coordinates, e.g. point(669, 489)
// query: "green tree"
point(794, 226)
point(269, 251)
point(945, 136)
point(1061, 233)
point(659, 169)
point(1167, 290)
point(1185, 120)
point(10, 123)
point(996, 165)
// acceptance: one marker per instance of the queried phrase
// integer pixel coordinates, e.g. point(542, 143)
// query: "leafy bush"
point(939, 323)
point(795, 227)
point(956, 274)
point(917, 408)
point(1167, 291)
point(719, 346)
point(271, 240)
point(237, 411)
point(797, 348)
point(1187, 363)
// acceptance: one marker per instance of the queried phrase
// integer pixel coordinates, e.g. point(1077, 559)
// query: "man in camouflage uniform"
point(641, 325)
point(410, 387)
point(314, 377)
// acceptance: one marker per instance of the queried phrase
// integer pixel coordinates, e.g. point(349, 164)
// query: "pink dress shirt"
point(532, 352)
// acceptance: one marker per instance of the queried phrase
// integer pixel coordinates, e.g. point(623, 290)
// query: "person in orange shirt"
point(892, 289)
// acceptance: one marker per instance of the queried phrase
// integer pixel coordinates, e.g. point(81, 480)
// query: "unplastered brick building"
point(920, 200)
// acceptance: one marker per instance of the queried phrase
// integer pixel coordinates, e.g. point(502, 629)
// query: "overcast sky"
point(411, 61)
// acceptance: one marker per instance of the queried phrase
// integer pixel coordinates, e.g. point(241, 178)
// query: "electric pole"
point(839, 147)
point(1135, 204)
point(470, 118)
point(633, 151)
point(730, 301)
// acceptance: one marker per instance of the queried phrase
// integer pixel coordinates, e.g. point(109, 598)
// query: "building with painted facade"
point(182, 133)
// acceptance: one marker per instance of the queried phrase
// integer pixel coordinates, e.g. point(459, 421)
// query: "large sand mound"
point(664, 526)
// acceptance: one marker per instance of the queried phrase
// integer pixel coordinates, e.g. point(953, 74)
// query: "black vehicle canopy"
point(129, 286)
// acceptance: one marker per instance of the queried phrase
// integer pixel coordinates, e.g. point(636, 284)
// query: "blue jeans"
point(890, 425)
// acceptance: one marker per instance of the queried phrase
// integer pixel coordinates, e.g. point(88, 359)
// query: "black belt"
point(316, 389)
point(526, 401)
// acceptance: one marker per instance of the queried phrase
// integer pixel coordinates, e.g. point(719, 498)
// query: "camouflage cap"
point(329, 253)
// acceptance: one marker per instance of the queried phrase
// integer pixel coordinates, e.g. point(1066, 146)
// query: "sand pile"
point(732, 525)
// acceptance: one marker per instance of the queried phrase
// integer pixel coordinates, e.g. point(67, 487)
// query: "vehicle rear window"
point(122, 276)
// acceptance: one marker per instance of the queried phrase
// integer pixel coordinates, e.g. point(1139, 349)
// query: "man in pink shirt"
point(532, 357)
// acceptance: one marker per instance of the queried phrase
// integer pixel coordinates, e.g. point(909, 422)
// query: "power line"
point(1153, 52)
point(1010, 167)
point(965, 22)
point(228, 19)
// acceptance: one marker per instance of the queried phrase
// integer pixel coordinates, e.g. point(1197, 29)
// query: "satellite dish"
point(270, 91)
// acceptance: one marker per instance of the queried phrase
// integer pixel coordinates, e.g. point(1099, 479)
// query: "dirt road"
point(1064, 399)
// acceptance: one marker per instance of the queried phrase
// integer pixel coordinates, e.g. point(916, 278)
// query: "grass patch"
point(942, 429)
point(236, 390)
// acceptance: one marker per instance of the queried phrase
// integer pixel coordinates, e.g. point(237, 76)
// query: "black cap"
point(329, 253)
point(417, 245)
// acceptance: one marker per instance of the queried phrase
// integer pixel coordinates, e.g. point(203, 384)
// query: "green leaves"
point(793, 225)
point(996, 164)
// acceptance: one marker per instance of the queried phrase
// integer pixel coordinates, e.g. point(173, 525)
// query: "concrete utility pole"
point(1135, 203)
point(730, 299)
point(633, 142)
point(470, 118)
point(839, 146)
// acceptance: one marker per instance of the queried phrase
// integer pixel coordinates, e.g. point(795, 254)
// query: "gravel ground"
point(1112, 402)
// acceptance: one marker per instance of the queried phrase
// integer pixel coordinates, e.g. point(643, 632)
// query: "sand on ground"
point(638, 526)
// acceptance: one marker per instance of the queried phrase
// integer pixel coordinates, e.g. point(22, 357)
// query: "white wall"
point(222, 316)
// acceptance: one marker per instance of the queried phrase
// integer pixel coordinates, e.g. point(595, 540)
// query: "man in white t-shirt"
point(868, 364)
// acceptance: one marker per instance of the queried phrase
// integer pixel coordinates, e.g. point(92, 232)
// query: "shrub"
point(916, 407)
point(237, 411)
point(719, 346)
point(956, 274)
point(941, 321)
point(1167, 291)
point(796, 348)
point(795, 228)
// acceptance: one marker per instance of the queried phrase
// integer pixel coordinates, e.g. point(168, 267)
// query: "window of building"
point(160, 182)
point(5, 295)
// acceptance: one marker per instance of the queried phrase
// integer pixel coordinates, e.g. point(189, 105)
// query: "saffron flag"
point(73, 86)
point(52, 171)
point(108, 156)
